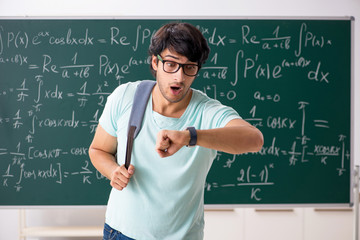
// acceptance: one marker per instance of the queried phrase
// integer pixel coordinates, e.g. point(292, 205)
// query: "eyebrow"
point(189, 62)
point(172, 56)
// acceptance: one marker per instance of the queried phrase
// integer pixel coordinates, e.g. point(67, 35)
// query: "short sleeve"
point(112, 110)
point(218, 115)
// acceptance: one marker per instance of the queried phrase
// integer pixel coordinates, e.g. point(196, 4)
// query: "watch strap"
point(193, 136)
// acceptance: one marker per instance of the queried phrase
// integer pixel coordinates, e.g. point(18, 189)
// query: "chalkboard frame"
point(221, 206)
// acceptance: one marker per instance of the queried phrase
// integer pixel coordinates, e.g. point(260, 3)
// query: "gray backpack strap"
point(141, 98)
point(140, 101)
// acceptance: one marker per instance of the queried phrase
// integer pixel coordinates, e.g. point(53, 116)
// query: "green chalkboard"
point(289, 77)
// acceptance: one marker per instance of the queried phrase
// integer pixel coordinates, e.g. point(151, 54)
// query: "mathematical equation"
point(55, 81)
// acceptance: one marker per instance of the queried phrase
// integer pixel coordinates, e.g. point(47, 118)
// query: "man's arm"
point(237, 137)
point(102, 154)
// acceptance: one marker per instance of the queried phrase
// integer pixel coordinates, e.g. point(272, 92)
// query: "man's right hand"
point(120, 177)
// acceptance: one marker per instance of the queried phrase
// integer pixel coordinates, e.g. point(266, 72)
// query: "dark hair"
point(184, 39)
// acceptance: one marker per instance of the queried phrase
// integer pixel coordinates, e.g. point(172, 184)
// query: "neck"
point(167, 108)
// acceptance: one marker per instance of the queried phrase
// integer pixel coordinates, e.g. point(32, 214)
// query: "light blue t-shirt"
point(164, 198)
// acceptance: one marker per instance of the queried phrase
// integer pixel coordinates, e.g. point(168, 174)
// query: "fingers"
point(168, 142)
point(162, 147)
point(120, 177)
point(163, 142)
point(163, 153)
point(131, 170)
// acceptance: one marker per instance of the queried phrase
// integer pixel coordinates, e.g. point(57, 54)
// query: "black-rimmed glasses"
point(172, 67)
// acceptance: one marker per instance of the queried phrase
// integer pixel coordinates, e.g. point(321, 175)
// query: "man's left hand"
point(168, 142)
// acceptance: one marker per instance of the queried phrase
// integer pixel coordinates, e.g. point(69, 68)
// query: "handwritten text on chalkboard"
point(283, 76)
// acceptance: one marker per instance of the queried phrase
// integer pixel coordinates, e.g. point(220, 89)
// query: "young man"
point(160, 195)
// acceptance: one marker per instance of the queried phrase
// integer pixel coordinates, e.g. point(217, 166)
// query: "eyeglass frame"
point(181, 65)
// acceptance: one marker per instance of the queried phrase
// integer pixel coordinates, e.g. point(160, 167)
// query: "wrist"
point(186, 138)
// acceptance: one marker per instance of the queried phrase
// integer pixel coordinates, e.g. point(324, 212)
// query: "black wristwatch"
point(193, 136)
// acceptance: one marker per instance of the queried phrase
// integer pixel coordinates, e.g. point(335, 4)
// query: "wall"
point(302, 223)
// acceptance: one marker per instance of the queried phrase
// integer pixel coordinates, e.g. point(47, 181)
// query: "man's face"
point(174, 87)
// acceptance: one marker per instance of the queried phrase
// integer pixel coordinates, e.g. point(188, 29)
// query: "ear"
point(154, 62)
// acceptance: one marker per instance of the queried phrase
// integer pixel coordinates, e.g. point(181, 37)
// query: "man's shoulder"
point(200, 97)
point(123, 95)
point(125, 91)
point(126, 87)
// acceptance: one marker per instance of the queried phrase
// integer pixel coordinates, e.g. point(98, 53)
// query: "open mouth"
point(175, 90)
